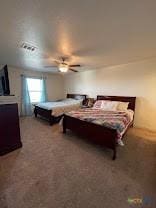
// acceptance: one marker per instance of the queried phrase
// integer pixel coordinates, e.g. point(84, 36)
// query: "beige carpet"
point(53, 170)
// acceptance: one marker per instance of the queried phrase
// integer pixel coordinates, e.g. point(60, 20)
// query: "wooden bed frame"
point(96, 133)
point(47, 114)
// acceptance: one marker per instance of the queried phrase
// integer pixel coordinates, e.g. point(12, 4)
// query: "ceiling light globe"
point(63, 68)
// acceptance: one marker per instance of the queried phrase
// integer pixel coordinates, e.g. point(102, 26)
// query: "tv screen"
point(4, 81)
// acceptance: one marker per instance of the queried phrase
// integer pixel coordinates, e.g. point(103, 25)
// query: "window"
point(35, 89)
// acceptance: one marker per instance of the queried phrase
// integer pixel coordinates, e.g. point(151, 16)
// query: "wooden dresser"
point(9, 128)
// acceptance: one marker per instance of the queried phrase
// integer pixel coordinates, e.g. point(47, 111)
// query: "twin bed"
point(53, 111)
point(105, 127)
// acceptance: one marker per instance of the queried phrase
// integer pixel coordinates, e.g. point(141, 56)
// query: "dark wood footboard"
point(46, 114)
point(96, 133)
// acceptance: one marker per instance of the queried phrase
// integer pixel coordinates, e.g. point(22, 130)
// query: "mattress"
point(60, 107)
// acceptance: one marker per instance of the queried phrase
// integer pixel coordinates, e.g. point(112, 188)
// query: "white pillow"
point(109, 105)
point(122, 106)
point(105, 105)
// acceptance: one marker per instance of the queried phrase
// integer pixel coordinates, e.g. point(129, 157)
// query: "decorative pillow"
point(98, 104)
point(122, 106)
point(106, 105)
point(90, 102)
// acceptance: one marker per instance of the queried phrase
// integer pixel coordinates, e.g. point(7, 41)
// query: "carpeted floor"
point(53, 170)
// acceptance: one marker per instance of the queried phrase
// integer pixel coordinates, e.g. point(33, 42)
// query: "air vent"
point(28, 47)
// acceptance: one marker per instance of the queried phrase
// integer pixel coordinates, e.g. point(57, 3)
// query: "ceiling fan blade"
point(75, 65)
point(57, 62)
point(50, 66)
point(73, 70)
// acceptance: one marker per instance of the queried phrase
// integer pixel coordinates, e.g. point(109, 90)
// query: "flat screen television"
point(4, 81)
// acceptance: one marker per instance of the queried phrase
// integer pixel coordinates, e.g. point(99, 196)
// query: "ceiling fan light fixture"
point(63, 68)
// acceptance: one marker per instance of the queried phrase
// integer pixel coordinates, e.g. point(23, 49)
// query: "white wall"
point(54, 83)
point(135, 79)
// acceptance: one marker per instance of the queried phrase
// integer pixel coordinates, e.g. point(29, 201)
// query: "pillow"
point(98, 104)
point(105, 105)
point(122, 106)
point(109, 105)
point(90, 102)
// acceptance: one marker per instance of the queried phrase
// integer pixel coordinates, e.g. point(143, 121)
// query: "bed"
point(104, 135)
point(53, 111)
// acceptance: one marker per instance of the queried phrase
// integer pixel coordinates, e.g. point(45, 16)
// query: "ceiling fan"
point(63, 66)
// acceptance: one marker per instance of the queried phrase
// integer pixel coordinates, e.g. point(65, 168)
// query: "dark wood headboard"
point(77, 96)
point(131, 100)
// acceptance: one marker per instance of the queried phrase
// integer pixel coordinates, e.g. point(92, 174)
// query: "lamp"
point(63, 67)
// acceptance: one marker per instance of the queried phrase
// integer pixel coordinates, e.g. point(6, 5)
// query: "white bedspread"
point(60, 107)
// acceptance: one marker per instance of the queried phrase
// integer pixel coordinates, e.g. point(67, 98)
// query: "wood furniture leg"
point(35, 112)
point(64, 125)
point(114, 154)
point(51, 121)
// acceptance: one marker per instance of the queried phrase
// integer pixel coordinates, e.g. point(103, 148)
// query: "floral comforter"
point(118, 120)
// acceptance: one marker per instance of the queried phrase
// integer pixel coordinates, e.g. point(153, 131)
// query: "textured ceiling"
point(94, 33)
